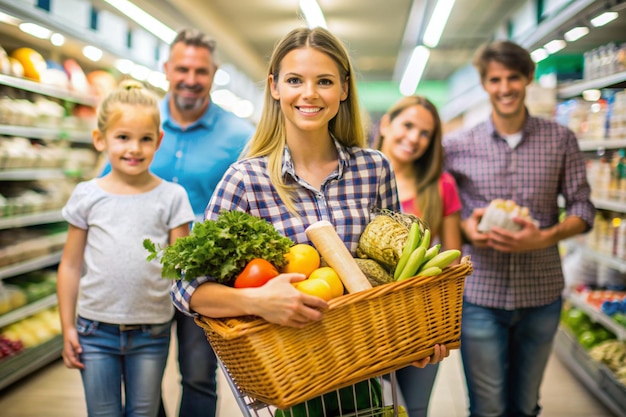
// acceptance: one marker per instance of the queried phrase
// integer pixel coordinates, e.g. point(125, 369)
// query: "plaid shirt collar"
point(344, 160)
point(527, 128)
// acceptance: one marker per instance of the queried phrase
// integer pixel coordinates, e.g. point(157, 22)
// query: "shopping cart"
point(380, 400)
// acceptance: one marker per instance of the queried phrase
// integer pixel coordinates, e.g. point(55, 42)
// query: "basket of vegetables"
point(389, 317)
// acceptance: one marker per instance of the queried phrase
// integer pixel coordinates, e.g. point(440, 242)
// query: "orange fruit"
point(316, 287)
point(330, 276)
point(302, 258)
point(32, 62)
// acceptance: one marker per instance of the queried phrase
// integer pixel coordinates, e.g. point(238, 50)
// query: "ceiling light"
point(124, 66)
point(35, 30)
point(139, 72)
point(604, 18)
point(437, 22)
point(57, 39)
point(539, 54)
point(156, 78)
point(221, 77)
point(11, 20)
point(576, 33)
point(555, 46)
point(313, 13)
point(224, 98)
point(414, 70)
point(93, 53)
point(243, 108)
point(148, 22)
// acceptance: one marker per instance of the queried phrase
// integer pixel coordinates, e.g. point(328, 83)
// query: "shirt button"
point(179, 154)
point(175, 179)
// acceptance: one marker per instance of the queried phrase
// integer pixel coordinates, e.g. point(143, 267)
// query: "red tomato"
point(256, 273)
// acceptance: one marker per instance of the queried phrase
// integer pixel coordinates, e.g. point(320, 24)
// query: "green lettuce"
point(221, 248)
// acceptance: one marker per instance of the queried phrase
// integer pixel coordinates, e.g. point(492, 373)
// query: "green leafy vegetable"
point(221, 248)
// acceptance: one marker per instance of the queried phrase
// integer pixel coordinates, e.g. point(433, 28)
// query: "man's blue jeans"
point(504, 354)
point(198, 364)
point(116, 359)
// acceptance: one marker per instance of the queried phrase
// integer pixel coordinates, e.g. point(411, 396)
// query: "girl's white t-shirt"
point(119, 285)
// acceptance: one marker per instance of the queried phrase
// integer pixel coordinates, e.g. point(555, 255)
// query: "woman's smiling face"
point(309, 87)
point(408, 135)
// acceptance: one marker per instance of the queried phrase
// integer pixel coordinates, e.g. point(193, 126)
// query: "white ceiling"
point(378, 33)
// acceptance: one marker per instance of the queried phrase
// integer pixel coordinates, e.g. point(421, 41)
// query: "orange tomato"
point(317, 287)
point(329, 275)
point(302, 258)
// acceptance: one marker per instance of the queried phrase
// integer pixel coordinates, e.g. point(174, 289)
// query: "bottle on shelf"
point(621, 175)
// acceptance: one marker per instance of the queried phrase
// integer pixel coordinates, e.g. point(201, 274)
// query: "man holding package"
point(512, 301)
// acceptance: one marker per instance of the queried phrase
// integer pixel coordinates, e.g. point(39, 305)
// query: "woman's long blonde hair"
point(270, 137)
point(427, 168)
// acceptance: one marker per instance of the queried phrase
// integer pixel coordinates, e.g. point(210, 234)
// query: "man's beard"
point(188, 103)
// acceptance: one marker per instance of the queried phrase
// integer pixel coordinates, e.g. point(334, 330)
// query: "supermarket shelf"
point(598, 316)
point(609, 204)
point(577, 88)
point(27, 310)
point(607, 260)
point(30, 360)
point(594, 145)
point(31, 265)
point(47, 90)
point(29, 174)
point(46, 133)
point(46, 217)
point(595, 376)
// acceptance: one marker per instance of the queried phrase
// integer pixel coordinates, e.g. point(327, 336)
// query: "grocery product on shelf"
point(32, 62)
point(612, 353)
point(35, 329)
point(9, 347)
point(5, 64)
point(101, 82)
point(604, 60)
point(17, 69)
point(45, 147)
point(617, 120)
point(587, 332)
point(11, 298)
point(78, 79)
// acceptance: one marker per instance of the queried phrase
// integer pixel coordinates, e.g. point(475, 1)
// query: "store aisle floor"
point(57, 392)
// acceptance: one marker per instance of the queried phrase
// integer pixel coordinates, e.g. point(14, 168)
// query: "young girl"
point(118, 335)
point(305, 163)
point(410, 136)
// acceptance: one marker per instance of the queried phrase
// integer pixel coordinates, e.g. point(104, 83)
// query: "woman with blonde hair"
point(306, 162)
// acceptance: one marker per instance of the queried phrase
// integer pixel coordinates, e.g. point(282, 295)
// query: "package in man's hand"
point(500, 213)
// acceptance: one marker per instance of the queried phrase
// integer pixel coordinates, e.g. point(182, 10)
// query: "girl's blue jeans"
point(124, 367)
point(504, 354)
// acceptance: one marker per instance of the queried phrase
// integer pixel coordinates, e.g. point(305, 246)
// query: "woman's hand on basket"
point(440, 353)
point(281, 303)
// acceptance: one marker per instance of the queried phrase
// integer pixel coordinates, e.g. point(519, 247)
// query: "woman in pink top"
point(410, 136)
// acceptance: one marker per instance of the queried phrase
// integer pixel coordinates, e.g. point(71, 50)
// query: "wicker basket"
point(362, 335)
